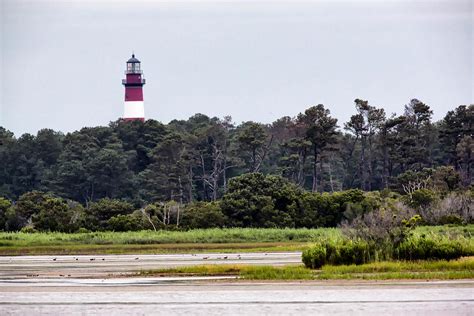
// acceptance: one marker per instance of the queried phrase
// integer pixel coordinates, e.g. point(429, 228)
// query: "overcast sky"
point(62, 61)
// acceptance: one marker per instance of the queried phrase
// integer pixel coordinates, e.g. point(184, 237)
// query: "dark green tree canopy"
point(256, 173)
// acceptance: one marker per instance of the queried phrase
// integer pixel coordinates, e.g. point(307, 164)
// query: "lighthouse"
point(134, 109)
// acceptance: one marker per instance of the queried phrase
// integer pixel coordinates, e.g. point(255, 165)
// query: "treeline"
point(305, 171)
point(192, 160)
point(251, 200)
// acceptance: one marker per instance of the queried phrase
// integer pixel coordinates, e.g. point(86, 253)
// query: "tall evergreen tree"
point(321, 132)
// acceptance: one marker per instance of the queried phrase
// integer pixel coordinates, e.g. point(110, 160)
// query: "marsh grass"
point(433, 243)
point(198, 270)
point(399, 270)
point(199, 240)
point(395, 270)
point(246, 272)
point(463, 264)
point(151, 242)
point(152, 248)
point(435, 275)
point(216, 235)
point(276, 273)
point(447, 230)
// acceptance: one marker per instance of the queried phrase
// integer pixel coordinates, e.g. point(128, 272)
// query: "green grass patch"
point(246, 272)
point(399, 270)
point(447, 230)
point(151, 242)
point(394, 270)
point(463, 264)
point(198, 270)
point(435, 275)
point(216, 235)
point(276, 273)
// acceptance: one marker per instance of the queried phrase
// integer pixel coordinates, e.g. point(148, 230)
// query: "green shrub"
point(106, 208)
point(28, 230)
point(350, 252)
point(123, 223)
point(329, 209)
point(347, 251)
point(430, 247)
point(30, 203)
point(258, 200)
point(450, 219)
point(4, 206)
point(421, 198)
point(203, 215)
point(315, 256)
point(340, 252)
point(55, 215)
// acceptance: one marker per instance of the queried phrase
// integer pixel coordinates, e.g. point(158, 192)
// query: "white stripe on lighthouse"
point(134, 109)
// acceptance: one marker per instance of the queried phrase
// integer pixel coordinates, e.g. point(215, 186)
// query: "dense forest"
point(188, 162)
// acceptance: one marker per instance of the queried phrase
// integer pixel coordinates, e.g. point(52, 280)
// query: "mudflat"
point(80, 285)
point(93, 266)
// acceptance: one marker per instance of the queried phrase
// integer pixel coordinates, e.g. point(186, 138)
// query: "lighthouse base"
point(134, 110)
point(129, 119)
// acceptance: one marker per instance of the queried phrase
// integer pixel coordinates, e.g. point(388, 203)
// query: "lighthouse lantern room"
point(134, 107)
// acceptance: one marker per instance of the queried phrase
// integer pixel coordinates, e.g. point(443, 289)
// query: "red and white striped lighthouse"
point(133, 108)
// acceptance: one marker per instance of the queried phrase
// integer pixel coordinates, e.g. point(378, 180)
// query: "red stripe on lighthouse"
point(134, 78)
point(133, 94)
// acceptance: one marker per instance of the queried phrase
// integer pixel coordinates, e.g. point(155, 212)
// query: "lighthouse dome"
point(133, 60)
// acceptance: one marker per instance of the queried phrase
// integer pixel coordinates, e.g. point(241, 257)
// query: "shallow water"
point(77, 285)
point(138, 298)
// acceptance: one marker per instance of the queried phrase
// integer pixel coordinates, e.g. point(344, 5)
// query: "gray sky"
point(62, 61)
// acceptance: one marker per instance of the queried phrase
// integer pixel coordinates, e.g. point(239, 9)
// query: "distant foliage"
point(256, 200)
point(302, 171)
point(123, 223)
point(203, 215)
point(44, 212)
point(4, 207)
point(193, 160)
point(98, 214)
point(252, 200)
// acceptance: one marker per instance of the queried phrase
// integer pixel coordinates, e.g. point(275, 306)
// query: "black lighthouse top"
point(133, 66)
point(133, 60)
